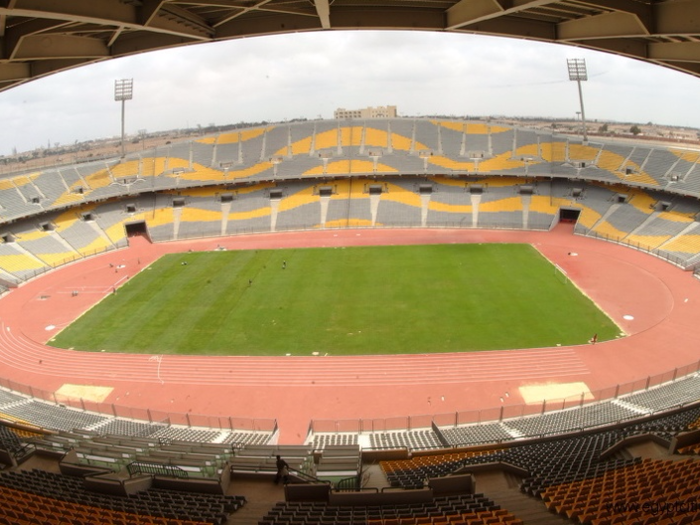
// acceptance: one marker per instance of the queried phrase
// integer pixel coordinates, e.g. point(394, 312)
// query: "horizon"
point(308, 75)
point(221, 128)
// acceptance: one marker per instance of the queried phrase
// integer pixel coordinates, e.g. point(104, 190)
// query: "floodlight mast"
point(577, 72)
point(123, 91)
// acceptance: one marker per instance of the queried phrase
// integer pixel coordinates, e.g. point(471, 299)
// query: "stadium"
point(596, 430)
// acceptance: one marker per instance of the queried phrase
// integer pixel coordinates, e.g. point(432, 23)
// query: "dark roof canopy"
point(39, 37)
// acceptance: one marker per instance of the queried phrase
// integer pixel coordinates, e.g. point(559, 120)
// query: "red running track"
point(663, 335)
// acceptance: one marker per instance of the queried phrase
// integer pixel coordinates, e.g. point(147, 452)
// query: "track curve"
point(661, 299)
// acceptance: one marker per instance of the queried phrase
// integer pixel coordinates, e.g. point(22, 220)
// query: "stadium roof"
point(40, 37)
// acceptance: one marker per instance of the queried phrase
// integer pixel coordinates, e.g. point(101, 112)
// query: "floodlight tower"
point(123, 91)
point(577, 72)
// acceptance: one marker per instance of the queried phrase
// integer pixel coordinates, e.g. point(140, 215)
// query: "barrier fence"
point(505, 411)
point(684, 262)
point(518, 226)
point(231, 423)
point(359, 426)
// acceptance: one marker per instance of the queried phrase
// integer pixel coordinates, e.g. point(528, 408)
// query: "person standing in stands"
point(282, 471)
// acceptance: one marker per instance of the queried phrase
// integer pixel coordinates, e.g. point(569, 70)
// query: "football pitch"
point(342, 301)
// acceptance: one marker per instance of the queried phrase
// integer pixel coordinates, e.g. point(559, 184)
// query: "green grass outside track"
point(361, 300)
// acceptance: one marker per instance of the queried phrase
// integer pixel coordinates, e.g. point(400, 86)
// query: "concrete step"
point(373, 477)
point(261, 493)
point(531, 510)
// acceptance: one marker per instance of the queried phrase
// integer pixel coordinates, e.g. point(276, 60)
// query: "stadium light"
point(577, 72)
point(123, 91)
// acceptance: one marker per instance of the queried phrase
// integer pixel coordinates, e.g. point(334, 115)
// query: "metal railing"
point(683, 262)
point(148, 415)
point(505, 411)
point(155, 469)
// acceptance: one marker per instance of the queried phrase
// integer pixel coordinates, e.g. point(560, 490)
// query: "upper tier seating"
point(383, 146)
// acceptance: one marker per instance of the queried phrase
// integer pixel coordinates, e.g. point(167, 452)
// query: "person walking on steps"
point(282, 471)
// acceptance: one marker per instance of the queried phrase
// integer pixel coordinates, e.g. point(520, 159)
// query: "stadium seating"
point(579, 476)
point(380, 173)
point(575, 478)
point(643, 219)
point(654, 400)
point(40, 495)
point(320, 441)
point(642, 485)
point(299, 209)
point(413, 473)
point(471, 508)
point(411, 439)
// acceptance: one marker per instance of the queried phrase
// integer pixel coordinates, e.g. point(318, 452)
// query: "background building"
point(370, 112)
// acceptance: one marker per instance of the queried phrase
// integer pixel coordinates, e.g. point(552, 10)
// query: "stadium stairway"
point(530, 510)
point(262, 494)
point(373, 477)
point(503, 489)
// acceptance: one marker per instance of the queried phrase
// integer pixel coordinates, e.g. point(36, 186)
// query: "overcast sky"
point(310, 75)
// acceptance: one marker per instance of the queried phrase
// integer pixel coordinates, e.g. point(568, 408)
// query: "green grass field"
point(363, 300)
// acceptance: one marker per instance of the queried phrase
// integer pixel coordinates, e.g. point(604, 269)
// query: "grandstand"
point(134, 458)
point(452, 439)
point(509, 178)
point(182, 477)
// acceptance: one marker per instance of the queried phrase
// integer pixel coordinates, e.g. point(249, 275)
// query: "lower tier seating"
point(58, 491)
point(461, 509)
